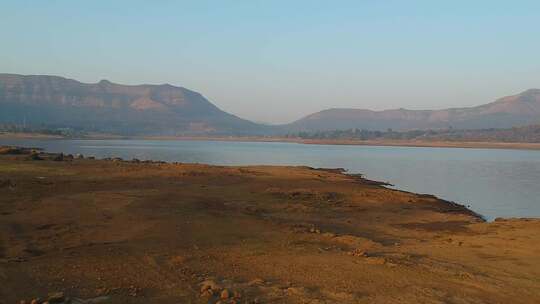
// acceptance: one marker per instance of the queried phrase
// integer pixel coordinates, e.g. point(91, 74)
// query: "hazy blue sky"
point(278, 60)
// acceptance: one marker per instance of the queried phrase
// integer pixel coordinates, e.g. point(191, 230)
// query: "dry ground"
point(153, 232)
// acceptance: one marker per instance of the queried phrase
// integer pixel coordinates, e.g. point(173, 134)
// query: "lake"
point(493, 182)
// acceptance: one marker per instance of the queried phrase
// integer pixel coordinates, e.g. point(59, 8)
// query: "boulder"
point(10, 150)
point(34, 156)
point(59, 157)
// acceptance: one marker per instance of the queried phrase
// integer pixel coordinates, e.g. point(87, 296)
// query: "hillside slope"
point(510, 111)
point(108, 107)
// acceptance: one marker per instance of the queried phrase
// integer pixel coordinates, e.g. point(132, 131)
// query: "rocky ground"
point(79, 230)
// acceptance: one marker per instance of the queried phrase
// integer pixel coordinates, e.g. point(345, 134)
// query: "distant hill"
point(53, 101)
point(510, 111)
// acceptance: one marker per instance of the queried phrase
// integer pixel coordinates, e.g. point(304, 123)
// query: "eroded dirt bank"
point(137, 232)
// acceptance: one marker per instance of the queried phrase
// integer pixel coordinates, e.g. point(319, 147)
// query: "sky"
point(277, 61)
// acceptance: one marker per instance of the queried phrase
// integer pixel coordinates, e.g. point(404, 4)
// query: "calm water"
point(493, 182)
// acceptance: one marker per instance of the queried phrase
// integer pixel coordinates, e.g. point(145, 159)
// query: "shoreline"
point(383, 143)
point(357, 176)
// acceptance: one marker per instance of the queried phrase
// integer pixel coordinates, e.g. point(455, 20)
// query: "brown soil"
point(183, 233)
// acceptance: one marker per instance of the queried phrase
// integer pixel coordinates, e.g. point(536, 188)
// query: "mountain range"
point(516, 110)
point(113, 108)
point(57, 102)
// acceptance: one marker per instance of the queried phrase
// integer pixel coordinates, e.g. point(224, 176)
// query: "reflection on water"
point(493, 182)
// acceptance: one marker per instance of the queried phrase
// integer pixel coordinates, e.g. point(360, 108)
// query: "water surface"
point(494, 182)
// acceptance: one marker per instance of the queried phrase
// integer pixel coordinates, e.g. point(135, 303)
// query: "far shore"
point(391, 143)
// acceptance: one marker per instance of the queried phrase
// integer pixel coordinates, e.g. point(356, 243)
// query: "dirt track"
point(153, 232)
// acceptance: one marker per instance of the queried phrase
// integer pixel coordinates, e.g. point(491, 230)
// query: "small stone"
point(376, 260)
point(34, 156)
point(209, 285)
point(207, 293)
point(300, 291)
point(358, 253)
point(59, 157)
point(56, 297)
point(256, 282)
point(225, 294)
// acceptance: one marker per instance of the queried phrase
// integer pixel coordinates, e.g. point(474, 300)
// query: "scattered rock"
point(134, 291)
point(376, 260)
point(390, 264)
point(56, 297)
point(207, 293)
point(92, 300)
point(358, 253)
point(34, 156)
point(225, 294)
point(314, 230)
point(59, 157)
point(16, 260)
point(60, 298)
point(11, 150)
point(356, 242)
point(7, 183)
point(135, 160)
point(209, 285)
point(299, 291)
point(256, 282)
